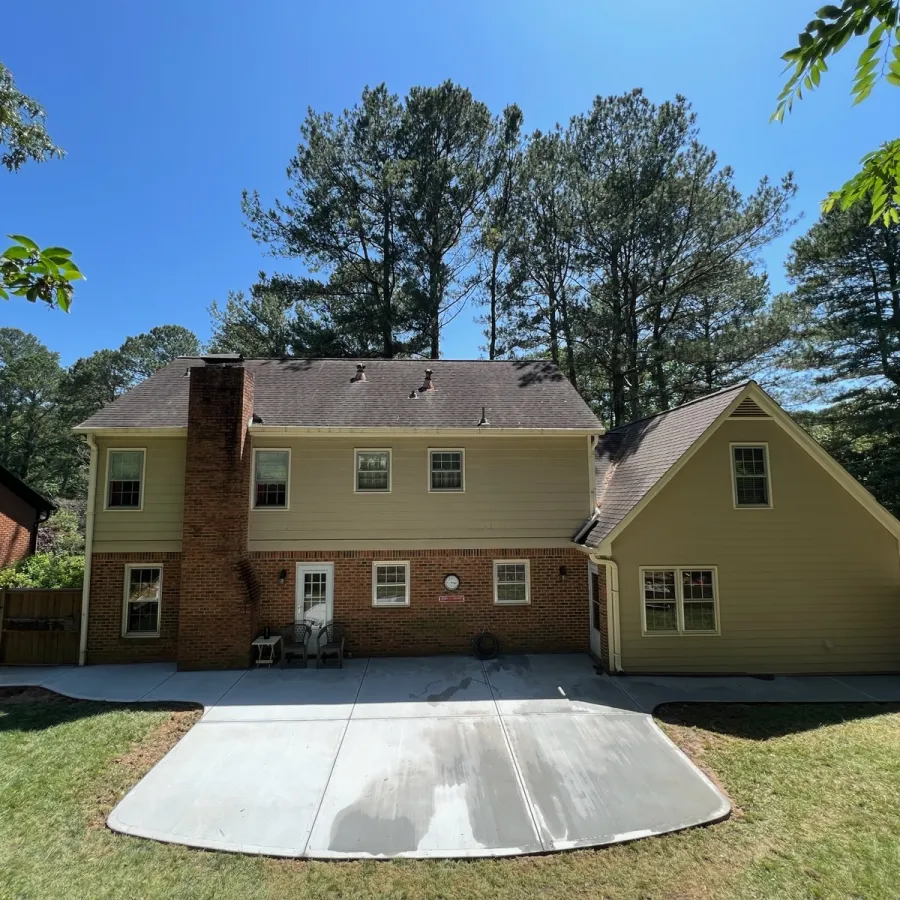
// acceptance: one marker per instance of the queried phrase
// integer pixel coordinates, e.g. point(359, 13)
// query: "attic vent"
point(747, 409)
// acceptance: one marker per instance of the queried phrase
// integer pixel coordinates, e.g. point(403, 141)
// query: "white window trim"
point(287, 487)
point(109, 453)
point(734, 497)
point(390, 455)
point(390, 562)
point(513, 562)
point(137, 635)
point(462, 453)
point(679, 601)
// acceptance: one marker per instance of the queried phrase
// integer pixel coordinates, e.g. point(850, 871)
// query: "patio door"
point(315, 595)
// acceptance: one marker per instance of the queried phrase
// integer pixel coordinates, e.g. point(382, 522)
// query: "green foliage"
point(40, 401)
point(45, 570)
point(27, 271)
point(62, 533)
point(384, 205)
point(22, 133)
point(827, 34)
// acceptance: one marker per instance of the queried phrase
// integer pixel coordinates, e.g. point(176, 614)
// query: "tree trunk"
point(567, 334)
point(495, 263)
point(387, 298)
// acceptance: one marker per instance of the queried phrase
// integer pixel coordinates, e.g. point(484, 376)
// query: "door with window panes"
point(315, 595)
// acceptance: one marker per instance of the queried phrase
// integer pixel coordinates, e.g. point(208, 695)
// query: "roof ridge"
point(664, 412)
point(350, 359)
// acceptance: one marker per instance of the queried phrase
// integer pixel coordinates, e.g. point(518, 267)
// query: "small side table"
point(265, 649)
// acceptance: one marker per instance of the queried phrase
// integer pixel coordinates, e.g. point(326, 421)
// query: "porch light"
point(282, 576)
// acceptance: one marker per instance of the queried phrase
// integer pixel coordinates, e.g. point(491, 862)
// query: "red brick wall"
point(17, 520)
point(216, 620)
point(556, 619)
point(105, 642)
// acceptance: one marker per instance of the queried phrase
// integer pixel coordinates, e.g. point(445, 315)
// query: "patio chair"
point(330, 642)
point(294, 641)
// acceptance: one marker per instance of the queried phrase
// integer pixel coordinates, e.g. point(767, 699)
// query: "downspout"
point(88, 549)
point(612, 609)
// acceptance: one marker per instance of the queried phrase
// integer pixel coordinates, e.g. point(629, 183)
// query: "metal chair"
point(294, 641)
point(330, 642)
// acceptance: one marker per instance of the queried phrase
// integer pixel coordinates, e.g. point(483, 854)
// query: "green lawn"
point(816, 791)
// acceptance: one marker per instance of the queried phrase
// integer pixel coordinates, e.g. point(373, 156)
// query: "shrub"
point(45, 570)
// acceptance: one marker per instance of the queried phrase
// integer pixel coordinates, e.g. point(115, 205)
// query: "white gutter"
point(612, 609)
point(88, 550)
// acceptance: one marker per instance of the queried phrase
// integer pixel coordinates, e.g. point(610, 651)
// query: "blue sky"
point(169, 109)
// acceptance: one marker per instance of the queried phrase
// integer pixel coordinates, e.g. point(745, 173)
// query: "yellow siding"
point(156, 527)
point(519, 491)
point(811, 585)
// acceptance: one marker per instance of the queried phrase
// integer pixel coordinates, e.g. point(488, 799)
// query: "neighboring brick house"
point(21, 512)
point(227, 495)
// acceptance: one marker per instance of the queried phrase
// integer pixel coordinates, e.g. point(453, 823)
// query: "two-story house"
point(417, 507)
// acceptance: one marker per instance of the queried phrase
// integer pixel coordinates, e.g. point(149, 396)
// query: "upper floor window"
point(446, 470)
point(271, 478)
point(124, 479)
point(373, 471)
point(750, 470)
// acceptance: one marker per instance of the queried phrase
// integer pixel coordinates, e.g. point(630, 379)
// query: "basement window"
point(390, 584)
point(680, 601)
point(271, 478)
point(446, 471)
point(124, 478)
point(373, 471)
point(143, 596)
point(512, 582)
point(750, 475)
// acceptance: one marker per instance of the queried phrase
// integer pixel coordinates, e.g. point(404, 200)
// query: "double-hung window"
point(124, 479)
point(512, 582)
point(446, 470)
point(143, 598)
point(679, 601)
point(390, 584)
point(372, 471)
point(271, 479)
point(750, 471)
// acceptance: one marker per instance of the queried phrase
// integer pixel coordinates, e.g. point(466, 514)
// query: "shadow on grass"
point(36, 709)
point(763, 721)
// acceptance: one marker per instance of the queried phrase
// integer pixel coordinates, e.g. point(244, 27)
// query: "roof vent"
point(360, 373)
point(748, 409)
point(429, 384)
point(484, 418)
point(256, 419)
point(413, 395)
point(222, 359)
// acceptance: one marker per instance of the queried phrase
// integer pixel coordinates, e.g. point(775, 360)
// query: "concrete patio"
point(438, 757)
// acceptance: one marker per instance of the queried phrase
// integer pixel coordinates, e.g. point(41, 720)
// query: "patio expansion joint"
point(312, 824)
point(515, 763)
point(853, 687)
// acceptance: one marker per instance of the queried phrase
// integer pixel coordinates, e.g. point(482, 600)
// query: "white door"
point(315, 595)
point(598, 626)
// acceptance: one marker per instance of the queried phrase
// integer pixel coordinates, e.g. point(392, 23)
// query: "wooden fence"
point(39, 627)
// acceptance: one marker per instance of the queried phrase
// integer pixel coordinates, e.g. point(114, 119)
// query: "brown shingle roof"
point(630, 460)
point(320, 392)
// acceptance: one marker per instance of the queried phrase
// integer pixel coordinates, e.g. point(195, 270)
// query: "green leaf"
point(893, 78)
point(814, 76)
point(25, 242)
point(16, 253)
point(829, 12)
point(3, 294)
point(62, 299)
point(56, 251)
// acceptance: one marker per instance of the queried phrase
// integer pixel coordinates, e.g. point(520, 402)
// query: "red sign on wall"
point(451, 598)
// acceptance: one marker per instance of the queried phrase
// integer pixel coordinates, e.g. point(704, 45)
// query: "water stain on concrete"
point(449, 692)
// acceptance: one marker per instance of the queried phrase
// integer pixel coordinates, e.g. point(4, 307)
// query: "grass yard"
point(815, 790)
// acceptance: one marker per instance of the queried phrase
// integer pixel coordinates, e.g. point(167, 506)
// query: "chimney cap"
point(219, 359)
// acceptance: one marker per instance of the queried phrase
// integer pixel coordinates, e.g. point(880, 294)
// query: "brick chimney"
point(429, 382)
point(217, 619)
